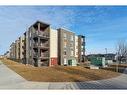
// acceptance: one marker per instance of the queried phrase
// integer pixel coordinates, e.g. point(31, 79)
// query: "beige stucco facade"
point(53, 45)
point(76, 46)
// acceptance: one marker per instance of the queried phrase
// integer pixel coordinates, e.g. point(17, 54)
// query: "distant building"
point(109, 58)
point(7, 54)
point(21, 48)
point(98, 61)
point(17, 49)
point(13, 51)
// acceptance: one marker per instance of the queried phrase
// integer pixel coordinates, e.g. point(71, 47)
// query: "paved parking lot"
point(11, 80)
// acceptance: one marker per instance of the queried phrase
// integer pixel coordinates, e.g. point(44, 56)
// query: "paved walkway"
point(10, 80)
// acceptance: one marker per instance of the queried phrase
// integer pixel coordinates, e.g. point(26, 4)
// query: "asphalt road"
point(11, 80)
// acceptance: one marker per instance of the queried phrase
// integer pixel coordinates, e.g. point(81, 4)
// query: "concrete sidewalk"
point(11, 80)
point(114, 83)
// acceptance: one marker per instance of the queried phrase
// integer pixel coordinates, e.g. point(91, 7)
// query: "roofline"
point(82, 36)
point(41, 22)
point(67, 30)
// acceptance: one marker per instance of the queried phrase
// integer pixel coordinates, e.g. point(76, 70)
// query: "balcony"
point(83, 43)
point(41, 45)
point(35, 44)
point(44, 55)
point(23, 47)
point(41, 34)
point(44, 45)
point(35, 54)
point(44, 63)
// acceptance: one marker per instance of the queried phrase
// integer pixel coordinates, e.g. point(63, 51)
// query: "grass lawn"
point(58, 73)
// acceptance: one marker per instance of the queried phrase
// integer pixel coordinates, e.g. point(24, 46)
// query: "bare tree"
point(121, 51)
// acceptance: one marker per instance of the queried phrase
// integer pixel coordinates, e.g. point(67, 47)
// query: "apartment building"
point(81, 48)
point(17, 50)
point(12, 51)
point(41, 45)
point(37, 44)
point(21, 48)
point(7, 54)
point(24, 49)
point(66, 47)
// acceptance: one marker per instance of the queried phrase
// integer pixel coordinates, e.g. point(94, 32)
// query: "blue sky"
point(103, 26)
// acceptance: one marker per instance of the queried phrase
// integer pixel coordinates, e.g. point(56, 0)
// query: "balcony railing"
point(43, 45)
point(44, 55)
point(35, 44)
point(42, 34)
point(35, 54)
point(45, 63)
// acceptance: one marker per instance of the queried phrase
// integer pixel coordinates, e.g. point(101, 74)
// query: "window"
point(72, 38)
point(72, 52)
point(65, 53)
point(65, 61)
point(30, 43)
point(82, 48)
point(30, 53)
point(65, 43)
point(23, 40)
point(65, 35)
point(82, 40)
point(30, 34)
point(71, 44)
point(65, 40)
